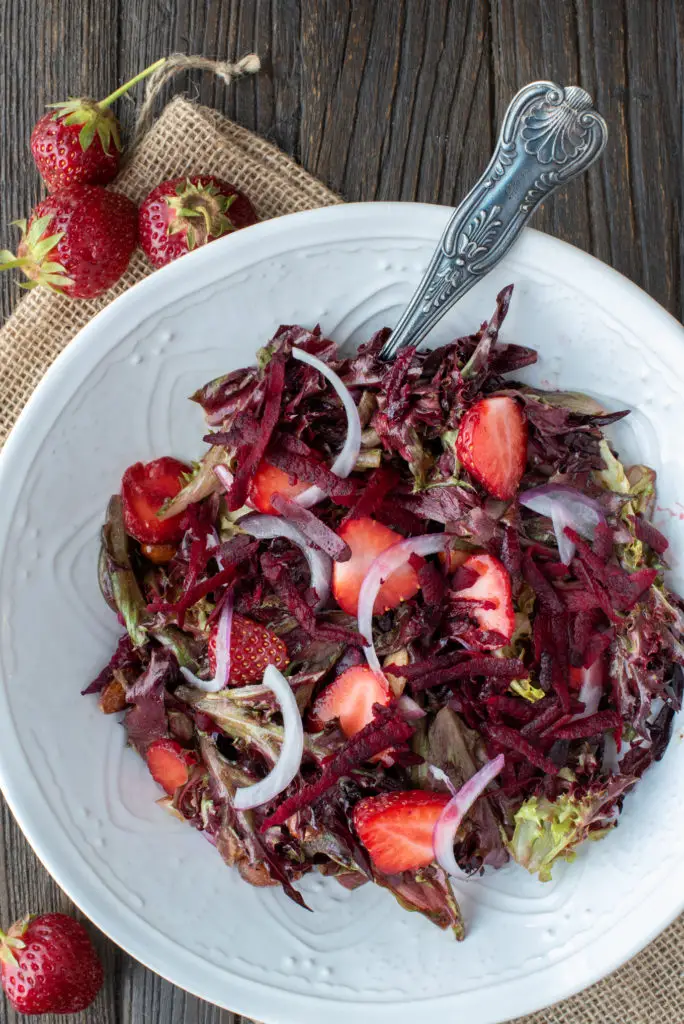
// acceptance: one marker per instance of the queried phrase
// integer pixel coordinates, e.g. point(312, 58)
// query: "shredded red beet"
point(387, 730)
point(508, 668)
point(546, 711)
point(512, 707)
point(420, 668)
point(295, 458)
point(603, 541)
point(511, 556)
point(312, 527)
point(432, 583)
point(512, 740)
point(592, 725)
point(463, 578)
point(249, 458)
point(648, 534)
point(544, 590)
point(380, 483)
point(624, 588)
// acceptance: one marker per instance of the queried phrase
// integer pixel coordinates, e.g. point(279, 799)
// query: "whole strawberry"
point(183, 213)
point(49, 965)
point(77, 242)
point(80, 143)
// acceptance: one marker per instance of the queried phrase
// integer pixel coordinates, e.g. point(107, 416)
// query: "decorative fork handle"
point(550, 135)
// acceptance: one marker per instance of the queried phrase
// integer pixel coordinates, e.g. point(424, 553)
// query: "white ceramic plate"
point(86, 804)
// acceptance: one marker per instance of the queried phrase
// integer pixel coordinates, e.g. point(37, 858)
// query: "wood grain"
point(382, 99)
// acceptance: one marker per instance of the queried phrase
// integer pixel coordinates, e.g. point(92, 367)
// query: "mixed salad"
point(402, 622)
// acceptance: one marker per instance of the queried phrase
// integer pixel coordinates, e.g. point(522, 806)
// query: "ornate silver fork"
point(550, 134)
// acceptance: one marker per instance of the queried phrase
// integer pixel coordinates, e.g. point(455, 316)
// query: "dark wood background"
point(382, 99)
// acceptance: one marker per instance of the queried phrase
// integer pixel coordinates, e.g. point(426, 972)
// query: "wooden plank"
point(393, 99)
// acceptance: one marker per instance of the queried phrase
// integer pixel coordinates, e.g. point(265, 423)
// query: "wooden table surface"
point(382, 99)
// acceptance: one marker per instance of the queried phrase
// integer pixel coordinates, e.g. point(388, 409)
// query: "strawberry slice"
point(396, 828)
point(144, 489)
point(350, 698)
point(169, 764)
point(367, 539)
point(252, 649)
point(493, 587)
point(492, 444)
point(269, 480)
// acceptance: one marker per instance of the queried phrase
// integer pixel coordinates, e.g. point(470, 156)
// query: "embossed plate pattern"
point(87, 805)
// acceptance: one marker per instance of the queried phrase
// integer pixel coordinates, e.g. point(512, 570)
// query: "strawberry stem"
point(107, 102)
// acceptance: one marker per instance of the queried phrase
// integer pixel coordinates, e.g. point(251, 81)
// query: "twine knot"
point(177, 62)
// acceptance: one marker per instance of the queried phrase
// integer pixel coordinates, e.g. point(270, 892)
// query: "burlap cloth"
point(189, 139)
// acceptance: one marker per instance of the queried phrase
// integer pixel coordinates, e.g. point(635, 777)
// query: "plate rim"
point(342, 217)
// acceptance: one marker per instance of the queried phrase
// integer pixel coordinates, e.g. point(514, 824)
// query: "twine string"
point(174, 65)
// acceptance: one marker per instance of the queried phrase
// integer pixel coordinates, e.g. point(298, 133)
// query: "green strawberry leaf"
point(37, 229)
point(40, 250)
point(87, 134)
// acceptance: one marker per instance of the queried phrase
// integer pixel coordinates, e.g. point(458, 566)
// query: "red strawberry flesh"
point(492, 444)
point(351, 698)
point(493, 589)
point(397, 828)
point(144, 490)
point(269, 480)
point(367, 539)
point(169, 764)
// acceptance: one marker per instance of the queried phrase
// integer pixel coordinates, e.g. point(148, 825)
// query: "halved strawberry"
point(367, 539)
point(494, 587)
point(269, 480)
point(350, 698)
point(396, 828)
point(144, 489)
point(169, 764)
point(492, 444)
point(252, 649)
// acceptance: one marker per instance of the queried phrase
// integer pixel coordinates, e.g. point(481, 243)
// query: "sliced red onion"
point(565, 506)
point(312, 527)
point(225, 476)
point(409, 708)
point(223, 632)
point(380, 569)
point(288, 764)
point(349, 453)
point(213, 542)
point(265, 527)
point(448, 823)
